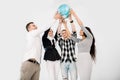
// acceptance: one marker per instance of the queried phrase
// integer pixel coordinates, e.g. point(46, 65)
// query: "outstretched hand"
point(57, 16)
point(72, 12)
point(76, 17)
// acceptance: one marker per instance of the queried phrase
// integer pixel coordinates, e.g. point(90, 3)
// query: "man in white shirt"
point(30, 68)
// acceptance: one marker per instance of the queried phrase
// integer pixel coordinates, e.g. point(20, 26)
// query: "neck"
point(65, 38)
point(51, 36)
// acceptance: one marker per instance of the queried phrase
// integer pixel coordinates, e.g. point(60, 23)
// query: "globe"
point(64, 10)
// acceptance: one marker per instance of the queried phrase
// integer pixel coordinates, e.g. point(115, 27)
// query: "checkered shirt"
point(67, 48)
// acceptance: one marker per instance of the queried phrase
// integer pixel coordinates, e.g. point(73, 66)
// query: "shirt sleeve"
point(55, 36)
point(87, 32)
point(46, 33)
point(42, 29)
point(38, 31)
point(74, 34)
point(74, 37)
point(58, 36)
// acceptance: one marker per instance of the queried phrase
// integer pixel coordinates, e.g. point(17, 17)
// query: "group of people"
point(66, 59)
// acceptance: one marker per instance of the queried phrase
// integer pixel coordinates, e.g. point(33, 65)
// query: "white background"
point(102, 16)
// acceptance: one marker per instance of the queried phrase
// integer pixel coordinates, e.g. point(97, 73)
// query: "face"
point(50, 33)
point(64, 34)
point(32, 27)
point(81, 33)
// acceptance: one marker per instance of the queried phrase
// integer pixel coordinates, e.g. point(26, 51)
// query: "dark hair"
point(93, 47)
point(28, 25)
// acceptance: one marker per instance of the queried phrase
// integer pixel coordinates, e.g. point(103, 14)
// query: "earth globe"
point(64, 10)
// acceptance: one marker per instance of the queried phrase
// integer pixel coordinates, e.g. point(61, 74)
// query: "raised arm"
point(38, 31)
point(57, 34)
point(81, 24)
point(72, 23)
point(58, 17)
point(76, 17)
point(89, 35)
point(66, 28)
point(46, 33)
point(59, 27)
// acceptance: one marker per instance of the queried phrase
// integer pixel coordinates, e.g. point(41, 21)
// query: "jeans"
point(69, 67)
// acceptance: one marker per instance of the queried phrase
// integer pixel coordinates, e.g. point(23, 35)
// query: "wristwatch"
point(71, 21)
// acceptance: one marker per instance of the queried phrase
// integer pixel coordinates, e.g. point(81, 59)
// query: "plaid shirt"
point(67, 48)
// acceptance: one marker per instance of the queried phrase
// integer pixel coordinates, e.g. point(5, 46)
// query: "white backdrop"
point(102, 16)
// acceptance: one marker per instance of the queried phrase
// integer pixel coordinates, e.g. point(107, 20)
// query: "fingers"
point(57, 16)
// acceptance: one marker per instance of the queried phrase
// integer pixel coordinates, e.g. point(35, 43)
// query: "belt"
point(33, 61)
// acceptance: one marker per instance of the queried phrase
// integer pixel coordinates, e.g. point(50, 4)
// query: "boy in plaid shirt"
point(67, 45)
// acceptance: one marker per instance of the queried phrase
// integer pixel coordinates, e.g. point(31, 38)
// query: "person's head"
point(93, 47)
point(50, 33)
point(64, 34)
point(31, 26)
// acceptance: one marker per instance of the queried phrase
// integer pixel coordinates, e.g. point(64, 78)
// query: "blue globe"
point(64, 10)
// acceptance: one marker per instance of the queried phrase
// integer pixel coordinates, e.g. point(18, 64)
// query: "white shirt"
point(34, 44)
